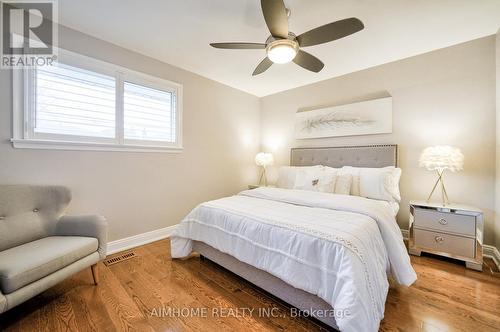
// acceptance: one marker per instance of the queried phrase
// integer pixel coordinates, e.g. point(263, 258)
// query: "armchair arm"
point(85, 225)
point(3, 303)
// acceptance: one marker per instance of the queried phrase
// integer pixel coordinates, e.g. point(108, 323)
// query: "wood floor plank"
point(446, 297)
point(149, 292)
point(245, 295)
point(124, 309)
point(236, 298)
point(65, 316)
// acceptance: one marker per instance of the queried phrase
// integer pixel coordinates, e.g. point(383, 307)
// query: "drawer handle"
point(443, 221)
point(439, 239)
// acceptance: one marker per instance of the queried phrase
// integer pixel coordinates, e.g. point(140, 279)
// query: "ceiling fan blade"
point(330, 32)
point(308, 61)
point(239, 46)
point(276, 18)
point(262, 67)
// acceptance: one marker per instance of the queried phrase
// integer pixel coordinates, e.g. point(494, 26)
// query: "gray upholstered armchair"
point(39, 247)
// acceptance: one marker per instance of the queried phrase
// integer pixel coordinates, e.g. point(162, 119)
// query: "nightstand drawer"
point(445, 222)
point(445, 243)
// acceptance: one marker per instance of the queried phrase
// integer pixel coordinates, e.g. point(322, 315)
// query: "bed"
point(325, 254)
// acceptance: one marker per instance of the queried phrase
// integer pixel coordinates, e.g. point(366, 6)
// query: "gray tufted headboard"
point(357, 156)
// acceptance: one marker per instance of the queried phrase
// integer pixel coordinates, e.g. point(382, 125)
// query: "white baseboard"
point(139, 239)
point(488, 251)
point(493, 253)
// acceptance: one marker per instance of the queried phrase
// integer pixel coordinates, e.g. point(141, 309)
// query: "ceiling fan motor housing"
point(271, 38)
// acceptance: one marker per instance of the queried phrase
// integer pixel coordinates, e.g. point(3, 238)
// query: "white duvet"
point(337, 247)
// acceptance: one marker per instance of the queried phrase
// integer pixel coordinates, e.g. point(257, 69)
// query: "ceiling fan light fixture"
point(283, 46)
point(282, 50)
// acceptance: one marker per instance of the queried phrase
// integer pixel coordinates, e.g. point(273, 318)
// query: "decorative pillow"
point(288, 174)
point(322, 179)
point(354, 172)
point(375, 183)
point(343, 184)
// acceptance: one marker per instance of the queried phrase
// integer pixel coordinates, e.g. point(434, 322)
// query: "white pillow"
point(322, 180)
point(394, 207)
point(343, 184)
point(332, 169)
point(375, 183)
point(288, 174)
point(380, 183)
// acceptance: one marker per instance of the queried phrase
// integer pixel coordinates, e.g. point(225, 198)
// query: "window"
point(82, 103)
point(148, 113)
point(72, 101)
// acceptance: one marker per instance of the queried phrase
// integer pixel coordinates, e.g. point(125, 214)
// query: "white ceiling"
point(178, 32)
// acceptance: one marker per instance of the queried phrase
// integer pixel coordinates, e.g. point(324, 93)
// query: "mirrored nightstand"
point(453, 230)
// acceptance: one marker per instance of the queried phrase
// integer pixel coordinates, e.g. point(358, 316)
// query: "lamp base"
point(444, 194)
point(263, 175)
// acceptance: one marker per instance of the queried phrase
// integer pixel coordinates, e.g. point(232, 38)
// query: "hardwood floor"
point(131, 294)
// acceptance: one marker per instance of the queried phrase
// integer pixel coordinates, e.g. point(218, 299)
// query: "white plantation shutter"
point(149, 114)
point(73, 101)
point(82, 103)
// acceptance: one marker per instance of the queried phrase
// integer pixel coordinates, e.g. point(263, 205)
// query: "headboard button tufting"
point(358, 156)
point(35, 210)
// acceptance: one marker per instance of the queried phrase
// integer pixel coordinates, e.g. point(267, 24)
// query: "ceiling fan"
point(284, 46)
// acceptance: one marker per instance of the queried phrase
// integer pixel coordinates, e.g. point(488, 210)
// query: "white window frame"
point(24, 110)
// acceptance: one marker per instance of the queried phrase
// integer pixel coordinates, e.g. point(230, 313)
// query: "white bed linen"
point(337, 247)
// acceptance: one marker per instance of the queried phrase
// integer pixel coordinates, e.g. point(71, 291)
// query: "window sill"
point(86, 146)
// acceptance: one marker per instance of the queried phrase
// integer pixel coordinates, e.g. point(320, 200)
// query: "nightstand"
point(453, 230)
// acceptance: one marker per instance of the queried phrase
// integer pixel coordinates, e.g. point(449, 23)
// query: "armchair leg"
point(95, 273)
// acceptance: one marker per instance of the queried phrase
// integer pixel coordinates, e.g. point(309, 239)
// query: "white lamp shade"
point(264, 159)
point(441, 157)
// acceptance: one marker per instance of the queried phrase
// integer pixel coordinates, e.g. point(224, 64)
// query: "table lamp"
point(264, 159)
point(440, 158)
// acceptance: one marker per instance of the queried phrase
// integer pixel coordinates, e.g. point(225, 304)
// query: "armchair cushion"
point(86, 225)
point(24, 264)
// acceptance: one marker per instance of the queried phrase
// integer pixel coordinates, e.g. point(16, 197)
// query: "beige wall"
point(497, 188)
point(443, 97)
point(140, 192)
